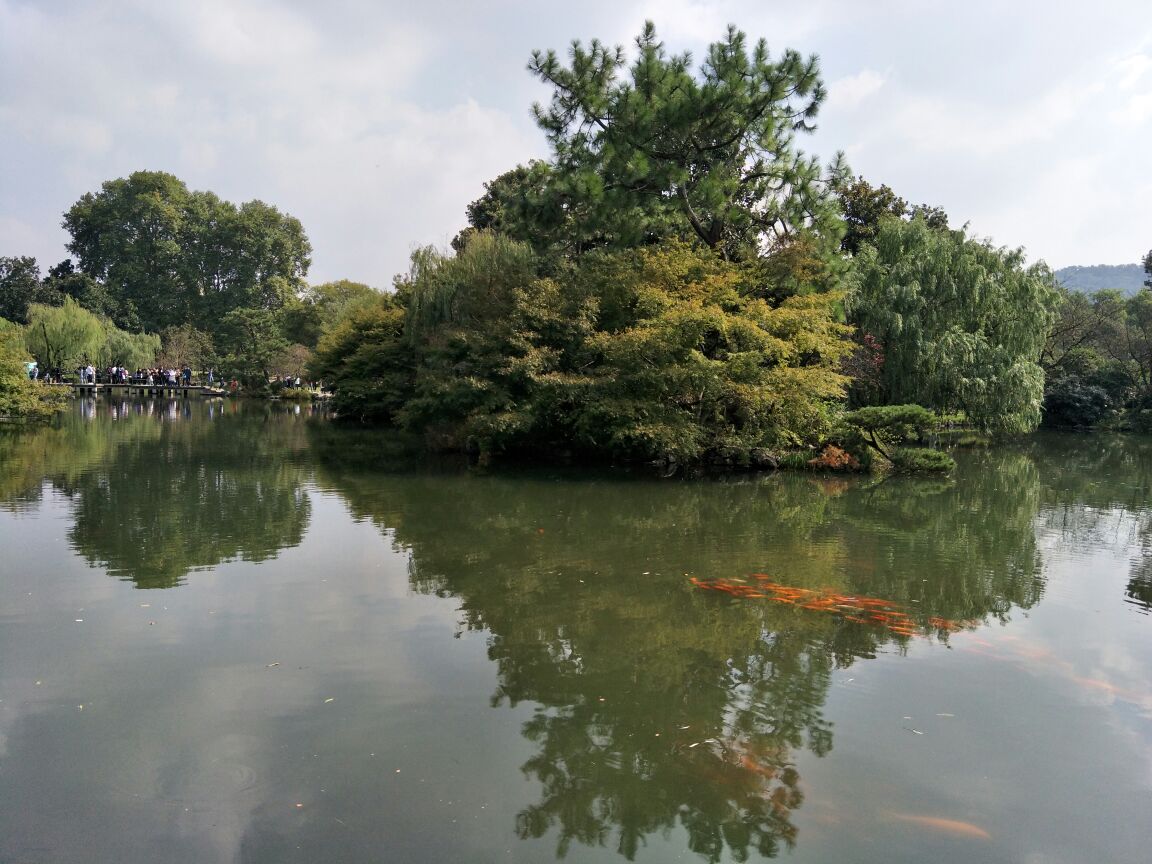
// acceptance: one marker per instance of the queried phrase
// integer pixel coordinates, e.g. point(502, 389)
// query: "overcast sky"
point(376, 122)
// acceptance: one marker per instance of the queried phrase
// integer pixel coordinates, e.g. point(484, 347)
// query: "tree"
point(1136, 342)
point(186, 346)
point(130, 350)
point(961, 323)
point(687, 361)
point(62, 337)
point(64, 280)
point(532, 204)
point(709, 156)
point(168, 256)
point(367, 361)
point(1148, 268)
point(320, 307)
point(864, 205)
point(19, 396)
point(471, 320)
point(251, 340)
point(1081, 323)
point(20, 286)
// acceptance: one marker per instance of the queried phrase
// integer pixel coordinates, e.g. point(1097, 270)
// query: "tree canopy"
point(663, 352)
point(656, 150)
point(961, 323)
point(20, 286)
point(169, 256)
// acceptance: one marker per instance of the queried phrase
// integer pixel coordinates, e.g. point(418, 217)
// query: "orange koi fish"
point(862, 610)
point(947, 826)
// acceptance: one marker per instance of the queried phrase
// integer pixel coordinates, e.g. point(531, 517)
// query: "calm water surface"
point(238, 634)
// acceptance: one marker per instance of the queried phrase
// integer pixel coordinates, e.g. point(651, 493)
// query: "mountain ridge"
point(1128, 278)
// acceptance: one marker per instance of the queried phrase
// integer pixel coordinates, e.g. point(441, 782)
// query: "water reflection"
point(660, 707)
point(1097, 494)
point(159, 488)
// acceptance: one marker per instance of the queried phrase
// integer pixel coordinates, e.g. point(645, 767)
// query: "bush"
point(921, 460)
point(21, 398)
point(1071, 401)
point(832, 458)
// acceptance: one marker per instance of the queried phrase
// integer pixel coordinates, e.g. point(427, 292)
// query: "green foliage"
point(687, 360)
point(657, 151)
point(902, 421)
point(921, 460)
point(884, 428)
point(864, 206)
point(961, 323)
point(21, 398)
point(65, 336)
point(20, 287)
point(532, 204)
point(64, 280)
point(367, 361)
point(1083, 326)
point(320, 307)
point(251, 341)
point(1098, 358)
point(1071, 401)
point(293, 361)
point(477, 323)
point(186, 346)
point(665, 352)
point(1135, 342)
point(167, 256)
point(130, 350)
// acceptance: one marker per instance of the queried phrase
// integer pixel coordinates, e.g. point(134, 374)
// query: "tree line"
point(678, 281)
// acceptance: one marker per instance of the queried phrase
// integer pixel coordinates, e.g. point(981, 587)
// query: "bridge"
point(170, 391)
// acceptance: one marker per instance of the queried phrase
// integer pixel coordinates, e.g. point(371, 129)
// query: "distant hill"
point(1126, 277)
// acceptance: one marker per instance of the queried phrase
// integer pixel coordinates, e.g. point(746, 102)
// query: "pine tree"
point(658, 151)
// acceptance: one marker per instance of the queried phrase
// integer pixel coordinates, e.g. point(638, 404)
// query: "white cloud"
point(851, 91)
point(1132, 70)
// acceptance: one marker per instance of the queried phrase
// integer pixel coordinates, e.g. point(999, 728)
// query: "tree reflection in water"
point(1097, 490)
point(660, 707)
point(161, 488)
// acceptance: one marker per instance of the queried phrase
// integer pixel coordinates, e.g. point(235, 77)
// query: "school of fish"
point(862, 610)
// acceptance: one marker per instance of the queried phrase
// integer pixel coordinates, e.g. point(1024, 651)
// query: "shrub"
point(832, 458)
point(921, 460)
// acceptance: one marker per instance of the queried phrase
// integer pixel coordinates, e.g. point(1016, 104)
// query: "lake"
point(235, 632)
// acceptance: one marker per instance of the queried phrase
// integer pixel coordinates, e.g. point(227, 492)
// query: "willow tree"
point(660, 150)
point(962, 323)
point(60, 337)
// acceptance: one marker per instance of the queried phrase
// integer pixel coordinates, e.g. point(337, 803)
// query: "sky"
point(376, 122)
